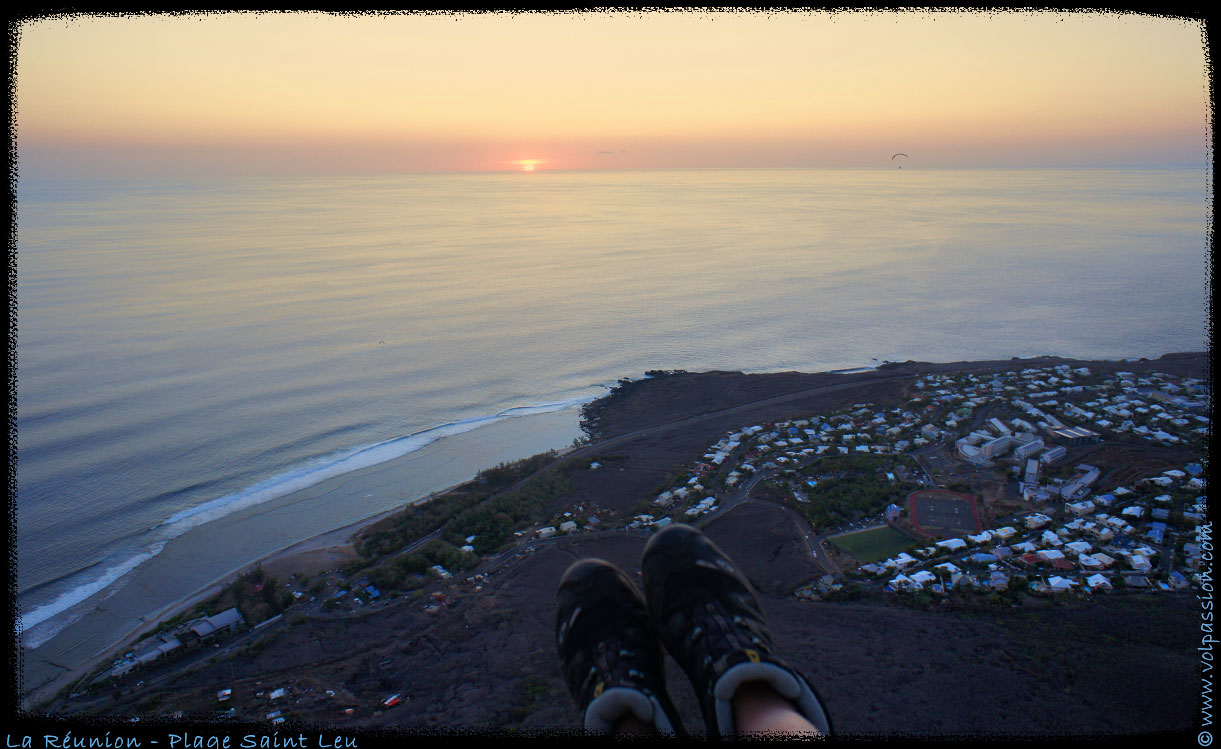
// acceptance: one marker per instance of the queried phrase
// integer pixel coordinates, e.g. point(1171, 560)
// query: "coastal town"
point(1009, 444)
point(1010, 487)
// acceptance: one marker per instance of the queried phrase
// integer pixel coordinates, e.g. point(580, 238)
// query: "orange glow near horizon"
point(608, 90)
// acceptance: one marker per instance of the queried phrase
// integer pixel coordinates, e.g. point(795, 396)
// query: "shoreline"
point(288, 558)
point(326, 541)
point(259, 492)
point(310, 521)
point(314, 548)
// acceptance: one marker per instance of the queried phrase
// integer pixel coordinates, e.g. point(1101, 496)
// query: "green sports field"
point(872, 545)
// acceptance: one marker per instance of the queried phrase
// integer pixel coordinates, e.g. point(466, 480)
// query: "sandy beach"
point(308, 531)
point(472, 660)
point(304, 531)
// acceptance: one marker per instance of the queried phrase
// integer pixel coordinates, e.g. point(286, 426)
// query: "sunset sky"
point(313, 93)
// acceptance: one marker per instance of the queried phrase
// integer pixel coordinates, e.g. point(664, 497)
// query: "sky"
point(292, 93)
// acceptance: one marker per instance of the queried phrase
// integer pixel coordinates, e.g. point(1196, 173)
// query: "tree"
point(386, 577)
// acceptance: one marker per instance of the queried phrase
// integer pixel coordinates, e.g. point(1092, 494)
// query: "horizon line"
point(106, 174)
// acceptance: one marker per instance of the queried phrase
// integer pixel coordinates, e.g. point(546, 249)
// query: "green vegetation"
point(493, 521)
point(490, 518)
point(503, 615)
point(482, 509)
point(534, 691)
point(504, 475)
point(407, 572)
point(872, 545)
point(259, 644)
point(417, 522)
point(257, 595)
point(850, 591)
point(355, 566)
point(848, 488)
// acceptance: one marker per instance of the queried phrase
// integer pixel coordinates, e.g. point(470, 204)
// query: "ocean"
point(189, 350)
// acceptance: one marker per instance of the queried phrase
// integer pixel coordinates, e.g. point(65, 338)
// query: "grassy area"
point(851, 487)
point(872, 545)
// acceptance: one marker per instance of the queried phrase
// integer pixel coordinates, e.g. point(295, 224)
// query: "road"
point(813, 540)
point(602, 446)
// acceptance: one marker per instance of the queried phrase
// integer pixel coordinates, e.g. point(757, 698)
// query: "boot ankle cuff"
point(788, 684)
point(617, 702)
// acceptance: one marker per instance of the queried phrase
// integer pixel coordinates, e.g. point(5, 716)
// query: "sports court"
point(939, 512)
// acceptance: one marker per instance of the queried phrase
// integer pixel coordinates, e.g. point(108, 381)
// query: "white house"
point(1100, 532)
point(1078, 547)
point(1118, 524)
point(1060, 584)
point(1080, 509)
point(1089, 562)
point(1139, 563)
point(1098, 582)
point(1037, 520)
point(902, 561)
point(902, 582)
point(952, 544)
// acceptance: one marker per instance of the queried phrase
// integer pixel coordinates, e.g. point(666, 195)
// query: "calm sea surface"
point(189, 348)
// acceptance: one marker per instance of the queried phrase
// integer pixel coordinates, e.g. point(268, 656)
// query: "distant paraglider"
point(892, 158)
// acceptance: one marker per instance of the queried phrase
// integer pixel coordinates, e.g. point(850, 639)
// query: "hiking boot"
point(609, 652)
point(709, 619)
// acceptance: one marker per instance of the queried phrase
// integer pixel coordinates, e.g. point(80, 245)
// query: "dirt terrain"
point(1121, 664)
point(1125, 464)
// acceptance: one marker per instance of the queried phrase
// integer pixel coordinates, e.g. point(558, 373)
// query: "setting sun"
point(127, 94)
point(294, 341)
